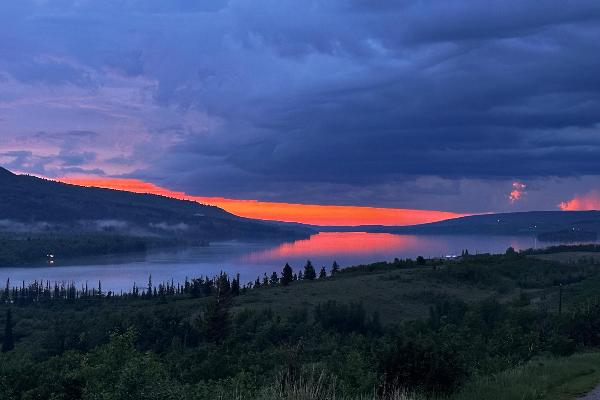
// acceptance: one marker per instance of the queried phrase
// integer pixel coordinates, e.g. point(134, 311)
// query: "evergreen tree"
point(335, 268)
point(8, 342)
point(217, 320)
point(257, 282)
point(274, 279)
point(323, 273)
point(235, 286)
point(287, 275)
point(300, 276)
point(309, 271)
point(420, 260)
point(149, 291)
point(223, 284)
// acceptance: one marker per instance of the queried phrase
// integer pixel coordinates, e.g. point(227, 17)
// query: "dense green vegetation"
point(461, 328)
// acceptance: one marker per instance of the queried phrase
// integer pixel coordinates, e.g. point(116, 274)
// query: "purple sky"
point(420, 104)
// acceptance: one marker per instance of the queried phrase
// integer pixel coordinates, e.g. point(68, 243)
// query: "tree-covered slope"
point(30, 203)
point(519, 223)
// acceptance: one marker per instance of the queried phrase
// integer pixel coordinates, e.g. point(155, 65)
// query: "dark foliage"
point(192, 341)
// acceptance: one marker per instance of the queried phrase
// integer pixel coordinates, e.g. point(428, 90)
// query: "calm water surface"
point(253, 259)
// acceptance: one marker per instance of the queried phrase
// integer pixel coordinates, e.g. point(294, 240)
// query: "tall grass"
point(321, 386)
point(543, 379)
point(553, 378)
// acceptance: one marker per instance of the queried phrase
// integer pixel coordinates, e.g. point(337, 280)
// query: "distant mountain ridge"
point(33, 202)
point(518, 223)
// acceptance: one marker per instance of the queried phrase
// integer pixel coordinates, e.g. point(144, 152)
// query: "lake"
point(254, 259)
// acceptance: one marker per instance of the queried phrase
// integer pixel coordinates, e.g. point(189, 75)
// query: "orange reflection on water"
point(338, 243)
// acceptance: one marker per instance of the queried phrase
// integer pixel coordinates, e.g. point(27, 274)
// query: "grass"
point(570, 257)
point(565, 378)
point(320, 387)
point(544, 379)
point(396, 295)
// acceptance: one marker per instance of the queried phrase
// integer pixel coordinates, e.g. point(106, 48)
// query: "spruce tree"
point(8, 342)
point(6, 294)
point(309, 271)
point(274, 279)
point(323, 273)
point(217, 320)
point(235, 286)
point(287, 275)
point(149, 291)
point(335, 268)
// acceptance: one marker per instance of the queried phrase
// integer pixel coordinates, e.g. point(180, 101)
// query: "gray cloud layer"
point(408, 103)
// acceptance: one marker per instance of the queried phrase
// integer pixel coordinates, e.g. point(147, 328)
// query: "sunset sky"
point(334, 112)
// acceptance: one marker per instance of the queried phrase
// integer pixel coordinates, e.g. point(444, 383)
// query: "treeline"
point(45, 291)
point(593, 248)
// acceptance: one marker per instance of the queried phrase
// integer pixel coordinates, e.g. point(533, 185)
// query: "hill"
point(511, 326)
point(520, 223)
point(32, 205)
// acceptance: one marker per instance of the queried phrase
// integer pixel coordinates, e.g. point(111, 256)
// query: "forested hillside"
point(584, 223)
point(30, 205)
point(510, 326)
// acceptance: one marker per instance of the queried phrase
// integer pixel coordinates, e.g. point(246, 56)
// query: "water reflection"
point(253, 259)
point(338, 243)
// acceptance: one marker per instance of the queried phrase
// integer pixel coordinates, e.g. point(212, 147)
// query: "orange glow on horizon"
point(313, 214)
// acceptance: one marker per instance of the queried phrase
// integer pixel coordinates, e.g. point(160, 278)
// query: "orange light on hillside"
point(287, 212)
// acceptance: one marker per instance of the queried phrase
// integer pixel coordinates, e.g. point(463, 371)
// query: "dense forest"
point(210, 338)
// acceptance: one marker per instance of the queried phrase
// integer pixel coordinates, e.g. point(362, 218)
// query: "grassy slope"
point(396, 295)
point(548, 379)
point(544, 379)
point(569, 257)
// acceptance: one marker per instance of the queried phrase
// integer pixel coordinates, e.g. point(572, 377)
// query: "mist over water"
point(254, 259)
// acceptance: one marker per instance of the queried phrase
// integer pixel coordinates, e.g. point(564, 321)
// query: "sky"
point(392, 106)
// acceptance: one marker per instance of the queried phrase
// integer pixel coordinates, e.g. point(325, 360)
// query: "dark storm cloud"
point(376, 101)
